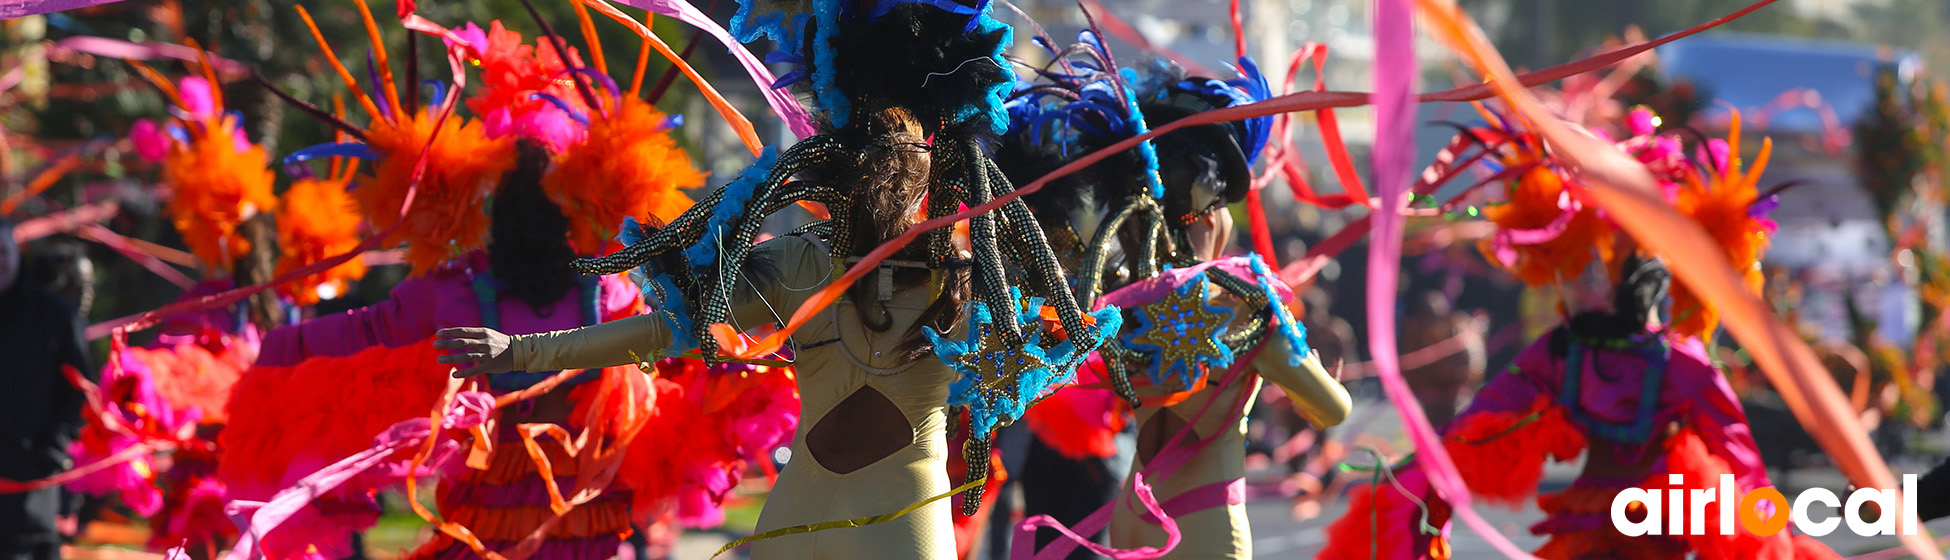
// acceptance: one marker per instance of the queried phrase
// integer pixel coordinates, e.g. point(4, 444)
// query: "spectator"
point(1440, 384)
point(1933, 494)
point(62, 267)
point(40, 411)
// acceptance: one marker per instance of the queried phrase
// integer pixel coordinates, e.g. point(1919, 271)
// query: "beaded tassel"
point(976, 453)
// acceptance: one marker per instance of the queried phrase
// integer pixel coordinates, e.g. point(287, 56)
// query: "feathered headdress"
point(216, 177)
point(316, 221)
point(1546, 236)
point(1135, 205)
point(941, 62)
point(615, 158)
point(462, 162)
point(522, 90)
point(1082, 101)
point(628, 167)
point(1726, 201)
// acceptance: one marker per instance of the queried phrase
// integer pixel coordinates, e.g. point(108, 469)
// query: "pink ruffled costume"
point(171, 391)
point(1647, 408)
point(322, 390)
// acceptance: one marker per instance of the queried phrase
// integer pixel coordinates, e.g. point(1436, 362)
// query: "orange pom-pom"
point(1535, 201)
point(216, 181)
point(317, 221)
point(629, 167)
point(447, 218)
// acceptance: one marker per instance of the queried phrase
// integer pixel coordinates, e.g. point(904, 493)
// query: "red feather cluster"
point(1501, 454)
point(511, 72)
point(288, 422)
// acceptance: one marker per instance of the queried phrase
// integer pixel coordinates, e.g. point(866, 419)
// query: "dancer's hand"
point(486, 349)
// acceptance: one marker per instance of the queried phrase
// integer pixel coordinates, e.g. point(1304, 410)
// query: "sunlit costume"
point(903, 91)
point(1643, 399)
point(532, 483)
point(171, 392)
point(1202, 333)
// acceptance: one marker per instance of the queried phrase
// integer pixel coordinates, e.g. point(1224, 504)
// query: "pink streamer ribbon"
point(256, 519)
point(1176, 453)
point(1506, 241)
point(1215, 495)
point(122, 245)
point(21, 8)
point(65, 220)
point(788, 108)
point(12, 78)
point(1025, 539)
point(149, 50)
point(1394, 150)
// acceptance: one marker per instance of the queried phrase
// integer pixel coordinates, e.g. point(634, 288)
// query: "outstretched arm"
point(801, 266)
point(404, 318)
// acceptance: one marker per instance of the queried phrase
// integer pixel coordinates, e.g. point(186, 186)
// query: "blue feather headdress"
point(941, 63)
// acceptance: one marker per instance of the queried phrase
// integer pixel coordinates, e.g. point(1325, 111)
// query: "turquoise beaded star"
point(999, 375)
point(1181, 333)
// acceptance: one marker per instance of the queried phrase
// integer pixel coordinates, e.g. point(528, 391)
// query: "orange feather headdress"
point(461, 164)
point(628, 167)
point(1544, 235)
point(614, 160)
point(1726, 201)
point(216, 177)
point(448, 217)
point(316, 221)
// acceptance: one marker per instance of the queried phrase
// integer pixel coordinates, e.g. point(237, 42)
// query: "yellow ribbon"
point(860, 522)
point(648, 367)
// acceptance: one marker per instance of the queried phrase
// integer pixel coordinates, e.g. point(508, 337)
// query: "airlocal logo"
point(1684, 504)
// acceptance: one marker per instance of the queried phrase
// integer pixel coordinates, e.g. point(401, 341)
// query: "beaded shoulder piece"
point(940, 61)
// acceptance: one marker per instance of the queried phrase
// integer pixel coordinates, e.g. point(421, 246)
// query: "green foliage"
point(1890, 146)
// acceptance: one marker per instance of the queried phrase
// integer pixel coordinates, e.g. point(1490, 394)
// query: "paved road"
point(1277, 535)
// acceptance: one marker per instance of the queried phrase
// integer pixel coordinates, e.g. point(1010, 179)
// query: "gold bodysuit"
point(1219, 532)
point(828, 373)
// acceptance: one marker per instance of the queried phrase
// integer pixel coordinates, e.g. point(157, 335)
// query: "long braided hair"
point(894, 84)
point(1126, 217)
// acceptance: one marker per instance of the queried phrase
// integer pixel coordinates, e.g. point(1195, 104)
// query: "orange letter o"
point(1750, 519)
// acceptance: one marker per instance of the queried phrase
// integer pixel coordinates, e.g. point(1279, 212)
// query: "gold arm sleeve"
point(601, 345)
point(1316, 395)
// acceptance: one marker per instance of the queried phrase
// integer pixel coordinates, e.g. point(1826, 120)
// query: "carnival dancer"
point(1205, 330)
point(1641, 397)
point(540, 480)
point(905, 90)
